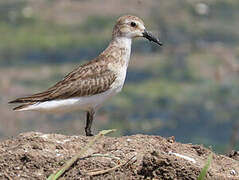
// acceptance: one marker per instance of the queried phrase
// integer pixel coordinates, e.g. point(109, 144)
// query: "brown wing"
point(89, 79)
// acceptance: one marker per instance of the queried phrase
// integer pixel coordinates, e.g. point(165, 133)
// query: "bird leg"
point(89, 120)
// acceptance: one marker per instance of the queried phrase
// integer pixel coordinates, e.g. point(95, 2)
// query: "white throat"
point(123, 42)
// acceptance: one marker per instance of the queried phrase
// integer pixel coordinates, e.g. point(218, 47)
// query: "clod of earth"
point(35, 156)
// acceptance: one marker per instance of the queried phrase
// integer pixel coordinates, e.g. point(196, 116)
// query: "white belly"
point(72, 104)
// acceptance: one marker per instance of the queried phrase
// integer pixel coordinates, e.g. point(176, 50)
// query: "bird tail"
point(23, 107)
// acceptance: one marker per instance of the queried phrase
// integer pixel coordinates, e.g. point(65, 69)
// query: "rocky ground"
point(35, 156)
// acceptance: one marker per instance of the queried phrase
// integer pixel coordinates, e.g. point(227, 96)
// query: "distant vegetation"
point(188, 89)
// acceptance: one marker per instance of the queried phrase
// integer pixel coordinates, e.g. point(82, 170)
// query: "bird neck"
point(123, 44)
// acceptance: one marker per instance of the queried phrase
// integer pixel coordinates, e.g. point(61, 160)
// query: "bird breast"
point(120, 70)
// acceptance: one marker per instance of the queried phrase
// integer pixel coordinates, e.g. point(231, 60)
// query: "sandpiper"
point(90, 84)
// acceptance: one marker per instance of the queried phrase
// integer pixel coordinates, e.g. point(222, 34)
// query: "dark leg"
point(89, 120)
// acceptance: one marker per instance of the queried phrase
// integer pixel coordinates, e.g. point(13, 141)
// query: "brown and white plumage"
point(89, 85)
point(87, 80)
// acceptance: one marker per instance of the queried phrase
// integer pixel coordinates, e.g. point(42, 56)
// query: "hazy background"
point(188, 88)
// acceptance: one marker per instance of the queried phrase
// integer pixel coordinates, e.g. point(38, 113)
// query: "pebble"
point(233, 172)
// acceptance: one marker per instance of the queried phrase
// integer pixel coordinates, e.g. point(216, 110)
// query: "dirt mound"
point(36, 155)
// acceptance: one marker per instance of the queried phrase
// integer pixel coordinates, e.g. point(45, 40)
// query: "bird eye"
point(132, 24)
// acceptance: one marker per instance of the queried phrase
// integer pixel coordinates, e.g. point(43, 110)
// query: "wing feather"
point(89, 79)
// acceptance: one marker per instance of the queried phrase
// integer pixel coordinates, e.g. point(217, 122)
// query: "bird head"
point(133, 27)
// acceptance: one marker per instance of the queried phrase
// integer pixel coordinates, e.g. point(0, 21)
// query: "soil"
point(35, 156)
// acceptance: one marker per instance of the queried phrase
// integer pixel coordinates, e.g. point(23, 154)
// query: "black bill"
point(151, 37)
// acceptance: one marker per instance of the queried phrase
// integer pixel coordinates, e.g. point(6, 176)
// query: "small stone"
point(171, 139)
point(233, 172)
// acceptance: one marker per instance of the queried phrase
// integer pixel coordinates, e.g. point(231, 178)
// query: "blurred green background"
point(188, 88)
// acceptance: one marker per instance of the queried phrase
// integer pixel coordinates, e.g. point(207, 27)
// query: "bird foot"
point(88, 132)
